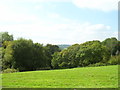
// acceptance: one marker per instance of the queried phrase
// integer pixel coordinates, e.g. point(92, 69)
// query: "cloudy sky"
point(60, 21)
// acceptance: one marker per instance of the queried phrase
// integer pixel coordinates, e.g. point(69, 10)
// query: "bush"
point(114, 60)
point(9, 70)
point(97, 64)
point(63, 65)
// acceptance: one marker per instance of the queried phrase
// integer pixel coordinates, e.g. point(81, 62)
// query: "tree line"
point(24, 55)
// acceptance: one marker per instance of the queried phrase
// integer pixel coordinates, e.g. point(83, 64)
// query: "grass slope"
point(88, 77)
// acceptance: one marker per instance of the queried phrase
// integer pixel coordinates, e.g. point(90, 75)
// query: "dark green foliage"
point(49, 51)
point(5, 50)
point(92, 52)
point(22, 52)
point(7, 55)
point(114, 60)
point(117, 48)
point(66, 58)
point(81, 55)
point(55, 60)
point(8, 70)
point(38, 56)
point(52, 48)
point(4, 36)
point(27, 55)
point(112, 44)
point(97, 64)
point(1, 56)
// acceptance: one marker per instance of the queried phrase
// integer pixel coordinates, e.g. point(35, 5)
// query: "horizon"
point(60, 21)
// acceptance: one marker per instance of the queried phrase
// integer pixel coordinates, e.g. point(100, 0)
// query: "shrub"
point(9, 70)
point(114, 60)
point(97, 64)
point(63, 65)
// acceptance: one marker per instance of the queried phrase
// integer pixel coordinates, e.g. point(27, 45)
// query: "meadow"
point(85, 77)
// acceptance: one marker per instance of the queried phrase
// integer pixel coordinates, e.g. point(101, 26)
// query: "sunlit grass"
point(88, 77)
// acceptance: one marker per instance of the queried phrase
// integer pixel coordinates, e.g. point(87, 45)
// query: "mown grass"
point(87, 77)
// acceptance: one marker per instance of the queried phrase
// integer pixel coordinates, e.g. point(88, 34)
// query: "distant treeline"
point(24, 55)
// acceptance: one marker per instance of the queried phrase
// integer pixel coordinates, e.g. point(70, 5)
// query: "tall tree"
point(49, 51)
point(90, 52)
point(27, 55)
point(7, 55)
point(112, 44)
point(5, 36)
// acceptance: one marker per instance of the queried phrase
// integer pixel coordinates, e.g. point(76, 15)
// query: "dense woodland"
point(24, 55)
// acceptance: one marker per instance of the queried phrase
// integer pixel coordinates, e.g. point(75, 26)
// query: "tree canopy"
point(81, 55)
point(5, 36)
point(24, 55)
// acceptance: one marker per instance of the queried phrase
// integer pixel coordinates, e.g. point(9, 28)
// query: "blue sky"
point(60, 21)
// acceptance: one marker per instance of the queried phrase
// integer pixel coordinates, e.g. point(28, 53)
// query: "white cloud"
point(38, 7)
point(104, 5)
point(8, 15)
point(53, 15)
point(69, 33)
point(58, 30)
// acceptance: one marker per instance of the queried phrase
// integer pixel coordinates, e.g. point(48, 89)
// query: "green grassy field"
point(88, 77)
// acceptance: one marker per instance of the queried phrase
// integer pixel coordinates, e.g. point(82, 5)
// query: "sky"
point(60, 21)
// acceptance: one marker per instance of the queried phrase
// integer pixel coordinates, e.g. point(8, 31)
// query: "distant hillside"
point(63, 46)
